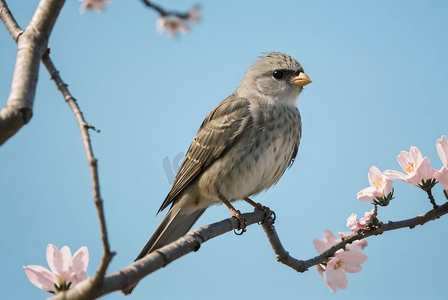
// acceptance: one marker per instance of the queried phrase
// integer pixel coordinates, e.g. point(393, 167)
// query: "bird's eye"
point(278, 74)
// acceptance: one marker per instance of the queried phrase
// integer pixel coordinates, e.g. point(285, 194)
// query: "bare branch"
point(301, 266)
point(9, 21)
point(156, 260)
point(193, 240)
point(34, 41)
point(31, 44)
point(94, 283)
point(164, 13)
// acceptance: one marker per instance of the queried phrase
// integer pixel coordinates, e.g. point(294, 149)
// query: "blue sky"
point(379, 87)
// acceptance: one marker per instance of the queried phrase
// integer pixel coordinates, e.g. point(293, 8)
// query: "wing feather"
point(218, 132)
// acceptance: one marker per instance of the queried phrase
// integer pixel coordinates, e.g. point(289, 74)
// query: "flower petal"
point(388, 186)
point(328, 242)
point(41, 277)
point(357, 245)
point(442, 177)
point(336, 276)
point(373, 173)
point(416, 155)
point(160, 25)
point(352, 222)
point(425, 169)
point(392, 174)
point(321, 273)
point(184, 27)
point(54, 258)
point(367, 194)
point(319, 246)
point(442, 150)
point(352, 261)
point(76, 278)
point(81, 258)
point(59, 261)
point(404, 159)
point(78, 268)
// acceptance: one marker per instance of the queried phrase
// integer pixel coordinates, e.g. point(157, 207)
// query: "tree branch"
point(165, 13)
point(9, 21)
point(31, 45)
point(191, 242)
point(301, 266)
point(32, 48)
point(94, 283)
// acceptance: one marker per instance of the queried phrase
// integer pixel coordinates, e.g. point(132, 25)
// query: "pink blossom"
point(194, 13)
point(416, 167)
point(353, 223)
point(98, 5)
point(346, 234)
point(322, 245)
point(442, 150)
point(357, 245)
point(380, 186)
point(172, 24)
point(442, 177)
point(343, 262)
point(356, 225)
point(66, 270)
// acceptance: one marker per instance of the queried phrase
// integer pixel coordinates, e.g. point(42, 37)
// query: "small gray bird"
point(243, 147)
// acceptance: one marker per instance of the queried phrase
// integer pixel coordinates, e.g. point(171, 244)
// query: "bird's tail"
point(174, 225)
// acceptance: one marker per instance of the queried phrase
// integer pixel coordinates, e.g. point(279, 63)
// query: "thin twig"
point(164, 13)
point(301, 266)
point(9, 21)
point(191, 242)
point(431, 199)
point(95, 282)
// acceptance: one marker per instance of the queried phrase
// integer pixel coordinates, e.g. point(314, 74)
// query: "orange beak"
point(301, 80)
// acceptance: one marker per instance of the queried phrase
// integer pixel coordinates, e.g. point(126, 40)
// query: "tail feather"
point(174, 225)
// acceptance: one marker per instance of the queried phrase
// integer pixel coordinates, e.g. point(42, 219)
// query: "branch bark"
point(91, 289)
point(301, 266)
point(31, 45)
point(164, 13)
point(9, 21)
point(191, 242)
point(194, 239)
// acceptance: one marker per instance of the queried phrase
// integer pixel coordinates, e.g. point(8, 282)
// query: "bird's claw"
point(242, 221)
point(268, 213)
point(240, 231)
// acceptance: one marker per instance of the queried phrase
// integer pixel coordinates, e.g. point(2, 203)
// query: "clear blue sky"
point(380, 86)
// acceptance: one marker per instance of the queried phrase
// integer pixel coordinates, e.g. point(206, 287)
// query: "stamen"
point(379, 182)
point(338, 264)
point(61, 281)
point(411, 168)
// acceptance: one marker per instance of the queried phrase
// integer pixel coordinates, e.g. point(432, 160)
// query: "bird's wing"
point(296, 146)
point(218, 132)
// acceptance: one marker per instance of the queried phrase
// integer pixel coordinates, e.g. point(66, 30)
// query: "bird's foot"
point(258, 206)
point(242, 221)
point(268, 213)
point(237, 214)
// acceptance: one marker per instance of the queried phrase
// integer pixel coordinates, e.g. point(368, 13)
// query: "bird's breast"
point(258, 158)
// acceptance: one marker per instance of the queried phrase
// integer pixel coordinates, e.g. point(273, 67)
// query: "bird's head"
point(276, 77)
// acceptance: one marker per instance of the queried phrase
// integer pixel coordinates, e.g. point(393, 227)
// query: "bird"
point(242, 148)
